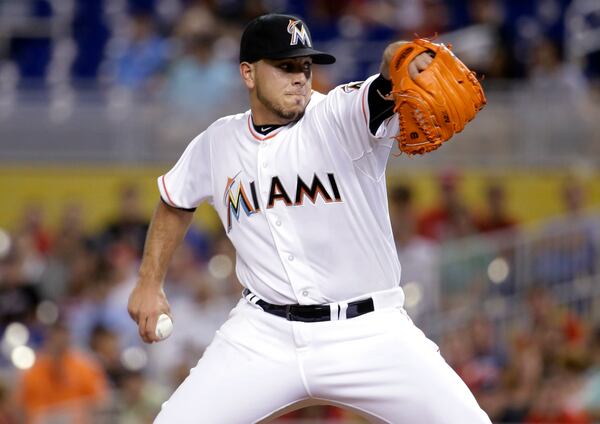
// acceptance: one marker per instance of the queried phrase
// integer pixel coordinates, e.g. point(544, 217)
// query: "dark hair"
point(401, 194)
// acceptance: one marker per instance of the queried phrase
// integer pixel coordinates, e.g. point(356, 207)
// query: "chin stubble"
point(280, 112)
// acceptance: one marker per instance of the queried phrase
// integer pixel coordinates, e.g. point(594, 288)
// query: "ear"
point(247, 72)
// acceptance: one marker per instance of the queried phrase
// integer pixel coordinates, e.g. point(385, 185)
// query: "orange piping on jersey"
point(162, 178)
point(257, 136)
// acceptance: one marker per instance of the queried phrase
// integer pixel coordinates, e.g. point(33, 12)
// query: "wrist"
point(149, 281)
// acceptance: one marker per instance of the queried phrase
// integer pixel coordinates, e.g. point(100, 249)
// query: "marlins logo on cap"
point(266, 37)
point(296, 28)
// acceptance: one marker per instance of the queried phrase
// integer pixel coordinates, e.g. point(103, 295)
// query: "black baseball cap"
point(276, 36)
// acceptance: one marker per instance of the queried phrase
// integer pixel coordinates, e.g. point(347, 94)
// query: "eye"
point(284, 66)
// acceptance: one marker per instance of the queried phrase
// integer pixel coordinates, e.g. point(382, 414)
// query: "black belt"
point(312, 313)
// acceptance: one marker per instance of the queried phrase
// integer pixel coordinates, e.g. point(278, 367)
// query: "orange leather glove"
point(438, 103)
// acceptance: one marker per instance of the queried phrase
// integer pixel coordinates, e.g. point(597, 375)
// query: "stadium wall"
point(531, 195)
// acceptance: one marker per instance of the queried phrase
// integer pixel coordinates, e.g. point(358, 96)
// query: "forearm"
point(380, 106)
point(167, 229)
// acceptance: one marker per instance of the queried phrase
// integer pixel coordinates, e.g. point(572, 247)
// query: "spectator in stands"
point(64, 385)
point(104, 343)
point(496, 216)
point(131, 224)
point(425, 17)
point(500, 227)
point(139, 399)
point(457, 348)
point(96, 296)
point(143, 56)
point(551, 403)
point(88, 287)
point(522, 377)
point(554, 327)
point(69, 242)
point(19, 296)
point(8, 411)
point(481, 363)
point(199, 240)
point(321, 413)
point(199, 80)
point(419, 257)
point(450, 219)
point(488, 360)
point(555, 80)
point(33, 227)
point(548, 70)
point(569, 245)
point(122, 260)
point(591, 391)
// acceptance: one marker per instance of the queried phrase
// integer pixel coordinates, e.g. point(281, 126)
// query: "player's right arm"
point(147, 300)
point(182, 189)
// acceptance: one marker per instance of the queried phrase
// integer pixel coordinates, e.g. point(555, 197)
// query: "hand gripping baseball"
point(435, 104)
point(149, 308)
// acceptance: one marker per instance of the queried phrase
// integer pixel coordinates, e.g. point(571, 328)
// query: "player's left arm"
point(359, 117)
point(380, 106)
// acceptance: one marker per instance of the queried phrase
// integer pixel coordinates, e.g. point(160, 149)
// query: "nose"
point(299, 78)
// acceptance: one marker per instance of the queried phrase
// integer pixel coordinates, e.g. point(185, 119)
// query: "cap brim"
point(320, 58)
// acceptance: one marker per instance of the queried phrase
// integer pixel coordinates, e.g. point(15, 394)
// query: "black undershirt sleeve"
point(379, 108)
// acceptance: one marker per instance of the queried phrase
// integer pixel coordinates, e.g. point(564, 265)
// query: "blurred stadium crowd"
point(184, 49)
point(512, 307)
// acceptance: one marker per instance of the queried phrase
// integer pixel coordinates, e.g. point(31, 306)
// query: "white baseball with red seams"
point(164, 326)
point(306, 209)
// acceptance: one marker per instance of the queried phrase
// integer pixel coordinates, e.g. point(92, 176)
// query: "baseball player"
point(298, 182)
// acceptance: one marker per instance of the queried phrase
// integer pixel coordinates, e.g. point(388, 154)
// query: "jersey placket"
point(276, 218)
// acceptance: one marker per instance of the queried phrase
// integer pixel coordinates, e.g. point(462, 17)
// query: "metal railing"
point(497, 275)
point(520, 127)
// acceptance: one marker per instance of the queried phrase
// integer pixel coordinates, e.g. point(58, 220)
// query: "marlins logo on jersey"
point(298, 32)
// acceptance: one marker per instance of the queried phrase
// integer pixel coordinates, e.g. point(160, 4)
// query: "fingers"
point(419, 64)
point(423, 61)
point(133, 313)
point(413, 71)
point(145, 310)
point(148, 328)
point(142, 329)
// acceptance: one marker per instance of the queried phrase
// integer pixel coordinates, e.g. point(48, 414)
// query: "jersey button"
point(265, 164)
point(278, 223)
point(291, 258)
point(305, 293)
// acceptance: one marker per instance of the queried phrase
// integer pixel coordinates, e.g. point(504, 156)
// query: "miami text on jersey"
point(236, 198)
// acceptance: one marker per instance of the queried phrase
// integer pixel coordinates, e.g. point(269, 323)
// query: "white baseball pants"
point(378, 364)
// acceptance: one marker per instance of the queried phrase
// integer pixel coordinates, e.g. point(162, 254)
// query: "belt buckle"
point(288, 312)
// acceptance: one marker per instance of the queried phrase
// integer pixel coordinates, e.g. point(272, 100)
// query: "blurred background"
point(498, 232)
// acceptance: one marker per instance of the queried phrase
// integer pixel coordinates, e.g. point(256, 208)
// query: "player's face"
point(284, 86)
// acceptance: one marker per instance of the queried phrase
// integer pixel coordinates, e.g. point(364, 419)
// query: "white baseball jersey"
point(305, 206)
